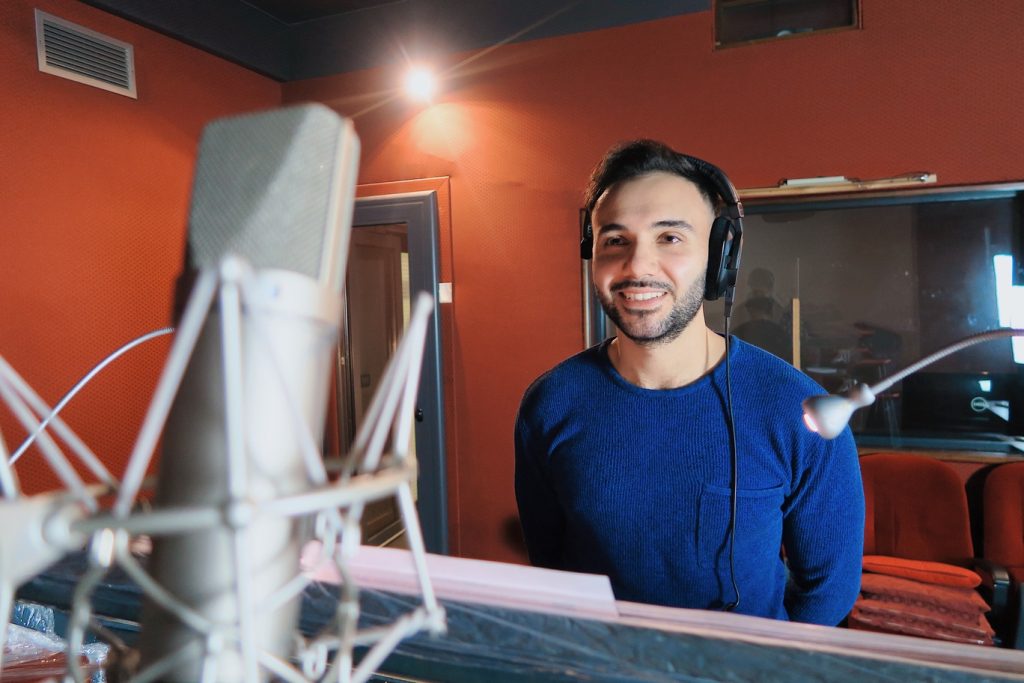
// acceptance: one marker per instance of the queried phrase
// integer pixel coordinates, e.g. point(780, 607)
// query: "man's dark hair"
point(630, 160)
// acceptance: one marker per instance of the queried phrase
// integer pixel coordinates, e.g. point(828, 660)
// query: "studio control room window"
point(872, 284)
point(740, 22)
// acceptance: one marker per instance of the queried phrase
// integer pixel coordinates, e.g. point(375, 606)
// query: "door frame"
point(418, 211)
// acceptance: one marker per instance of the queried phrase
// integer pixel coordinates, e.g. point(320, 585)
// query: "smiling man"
point(625, 459)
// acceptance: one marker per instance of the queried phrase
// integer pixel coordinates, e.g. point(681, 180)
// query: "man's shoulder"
point(772, 374)
point(777, 389)
point(569, 377)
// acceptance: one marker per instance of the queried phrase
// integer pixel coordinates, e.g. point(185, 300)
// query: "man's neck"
point(674, 364)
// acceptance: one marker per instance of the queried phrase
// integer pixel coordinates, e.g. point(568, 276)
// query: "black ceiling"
point(296, 11)
point(291, 40)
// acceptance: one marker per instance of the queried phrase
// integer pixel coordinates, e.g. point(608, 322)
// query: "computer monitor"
point(938, 402)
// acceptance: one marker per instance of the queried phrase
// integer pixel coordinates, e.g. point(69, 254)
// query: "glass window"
point(871, 285)
point(742, 21)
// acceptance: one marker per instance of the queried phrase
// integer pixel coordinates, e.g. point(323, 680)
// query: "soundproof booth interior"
point(876, 149)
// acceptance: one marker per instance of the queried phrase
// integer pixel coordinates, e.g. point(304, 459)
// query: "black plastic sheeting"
point(503, 645)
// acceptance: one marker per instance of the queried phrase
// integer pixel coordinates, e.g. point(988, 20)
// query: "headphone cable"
point(735, 469)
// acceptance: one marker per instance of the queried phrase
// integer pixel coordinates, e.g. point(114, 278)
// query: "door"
point(393, 256)
point(377, 306)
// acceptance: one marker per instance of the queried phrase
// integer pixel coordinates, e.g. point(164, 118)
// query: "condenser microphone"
point(276, 190)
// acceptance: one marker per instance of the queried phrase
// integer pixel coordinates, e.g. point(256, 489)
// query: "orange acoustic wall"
point(94, 191)
point(925, 85)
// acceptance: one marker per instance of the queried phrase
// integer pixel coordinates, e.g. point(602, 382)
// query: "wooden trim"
point(948, 456)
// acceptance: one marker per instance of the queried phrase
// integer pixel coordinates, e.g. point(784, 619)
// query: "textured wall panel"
point(94, 194)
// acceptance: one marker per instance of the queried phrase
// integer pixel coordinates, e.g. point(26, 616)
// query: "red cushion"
point(920, 570)
point(962, 603)
point(875, 615)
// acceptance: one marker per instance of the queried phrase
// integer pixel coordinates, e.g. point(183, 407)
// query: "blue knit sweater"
point(635, 484)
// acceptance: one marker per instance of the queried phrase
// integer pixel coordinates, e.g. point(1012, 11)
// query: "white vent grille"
point(74, 52)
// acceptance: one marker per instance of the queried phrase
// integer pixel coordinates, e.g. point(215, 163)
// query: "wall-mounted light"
point(420, 84)
point(790, 187)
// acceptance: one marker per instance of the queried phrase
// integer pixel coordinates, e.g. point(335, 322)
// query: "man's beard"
point(650, 333)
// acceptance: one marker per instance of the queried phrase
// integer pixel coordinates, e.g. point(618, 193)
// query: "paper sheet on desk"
point(477, 581)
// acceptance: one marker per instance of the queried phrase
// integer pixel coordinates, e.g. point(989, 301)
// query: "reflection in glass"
point(870, 286)
point(377, 311)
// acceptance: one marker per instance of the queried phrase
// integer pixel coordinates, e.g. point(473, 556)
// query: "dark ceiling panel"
point(291, 40)
point(422, 29)
point(230, 29)
point(296, 11)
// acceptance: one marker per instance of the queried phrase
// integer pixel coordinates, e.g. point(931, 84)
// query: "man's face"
point(650, 255)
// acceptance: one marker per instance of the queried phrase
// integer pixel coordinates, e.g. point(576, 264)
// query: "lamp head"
point(420, 84)
point(829, 415)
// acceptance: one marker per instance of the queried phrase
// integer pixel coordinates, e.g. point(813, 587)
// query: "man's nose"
point(641, 260)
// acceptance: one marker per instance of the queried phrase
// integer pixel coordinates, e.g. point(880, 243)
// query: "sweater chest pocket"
point(758, 525)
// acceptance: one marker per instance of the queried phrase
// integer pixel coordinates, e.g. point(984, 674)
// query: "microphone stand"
point(37, 530)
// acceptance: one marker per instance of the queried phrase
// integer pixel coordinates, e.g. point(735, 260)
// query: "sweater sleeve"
point(539, 512)
point(823, 532)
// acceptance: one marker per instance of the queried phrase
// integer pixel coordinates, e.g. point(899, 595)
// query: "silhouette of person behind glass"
point(760, 330)
point(760, 285)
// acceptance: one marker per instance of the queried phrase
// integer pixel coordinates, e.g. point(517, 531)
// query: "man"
point(623, 457)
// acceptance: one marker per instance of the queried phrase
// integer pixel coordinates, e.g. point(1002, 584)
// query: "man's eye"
point(614, 242)
point(671, 239)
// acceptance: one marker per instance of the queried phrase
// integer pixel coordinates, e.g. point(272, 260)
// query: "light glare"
point(1009, 301)
point(420, 84)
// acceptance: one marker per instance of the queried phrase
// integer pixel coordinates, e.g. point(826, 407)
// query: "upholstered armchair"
point(1003, 501)
point(919, 576)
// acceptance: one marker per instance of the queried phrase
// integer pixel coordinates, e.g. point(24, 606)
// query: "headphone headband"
point(724, 187)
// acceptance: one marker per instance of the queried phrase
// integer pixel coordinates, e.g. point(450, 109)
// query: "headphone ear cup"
point(719, 277)
point(586, 236)
point(586, 248)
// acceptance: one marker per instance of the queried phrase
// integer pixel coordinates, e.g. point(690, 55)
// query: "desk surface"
point(645, 643)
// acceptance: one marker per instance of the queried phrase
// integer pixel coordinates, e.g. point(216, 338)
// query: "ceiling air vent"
point(72, 51)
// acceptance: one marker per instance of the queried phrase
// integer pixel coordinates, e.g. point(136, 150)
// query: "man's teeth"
point(642, 297)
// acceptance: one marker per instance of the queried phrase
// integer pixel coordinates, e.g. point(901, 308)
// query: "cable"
point(81, 383)
point(733, 489)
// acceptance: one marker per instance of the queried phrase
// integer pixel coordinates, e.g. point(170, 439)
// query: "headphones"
point(724, 243)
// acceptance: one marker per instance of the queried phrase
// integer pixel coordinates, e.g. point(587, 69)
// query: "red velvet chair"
point(1003, 502)
point(916, 508)
point(918, 552)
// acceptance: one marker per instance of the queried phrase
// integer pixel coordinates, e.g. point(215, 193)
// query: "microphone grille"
point(271, 187)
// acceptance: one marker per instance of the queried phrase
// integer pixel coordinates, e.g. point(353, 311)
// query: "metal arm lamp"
point(828, 415)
